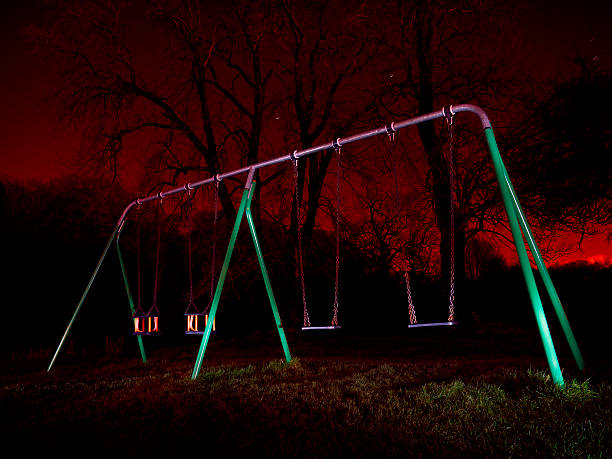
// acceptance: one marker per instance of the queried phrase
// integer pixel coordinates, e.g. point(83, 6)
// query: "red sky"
point(34, 146)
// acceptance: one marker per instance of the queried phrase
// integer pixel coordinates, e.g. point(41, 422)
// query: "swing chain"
point(336, 288)
point(451, 167)
point(299, 242)
point(392, 137)
point(411, 310)
point(156, 286)
point(214, 242)
point(405, 266)
point(189, 243)
point(139, 274)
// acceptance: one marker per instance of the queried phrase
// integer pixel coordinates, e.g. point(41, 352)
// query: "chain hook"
point(336, 145)
point(390, 128)
point(449, 114)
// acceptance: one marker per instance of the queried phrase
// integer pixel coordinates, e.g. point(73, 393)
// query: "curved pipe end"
point(135, 202)
point(484, 119)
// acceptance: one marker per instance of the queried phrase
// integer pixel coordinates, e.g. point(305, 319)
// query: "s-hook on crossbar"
point(516, 217)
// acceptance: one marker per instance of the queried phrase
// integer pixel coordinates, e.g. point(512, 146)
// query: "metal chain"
point(300, 258)
point(404, 265)
point(411, 310)
point(214, 242)
point(392, 138)
point(189, 246)
point(138, 261)
point(334, 321)
point(451, 167)
point(155, 287)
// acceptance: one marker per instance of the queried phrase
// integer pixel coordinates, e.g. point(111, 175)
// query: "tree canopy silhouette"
point(170, 91)
point(565, 166)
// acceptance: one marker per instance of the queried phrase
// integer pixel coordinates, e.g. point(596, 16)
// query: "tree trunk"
point(433, 151)
point(226, 202)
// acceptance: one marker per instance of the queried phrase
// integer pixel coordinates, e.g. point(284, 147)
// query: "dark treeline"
point(54, 233)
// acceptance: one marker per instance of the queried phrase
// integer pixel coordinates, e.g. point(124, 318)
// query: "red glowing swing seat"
point(197, 322)
point(146, 323)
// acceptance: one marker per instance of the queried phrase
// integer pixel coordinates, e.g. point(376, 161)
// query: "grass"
point(349, 404)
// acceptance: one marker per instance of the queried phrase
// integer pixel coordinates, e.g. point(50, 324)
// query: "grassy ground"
point(434, 393)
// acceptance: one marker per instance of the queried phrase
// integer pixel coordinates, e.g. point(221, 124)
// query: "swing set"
point(203, 322)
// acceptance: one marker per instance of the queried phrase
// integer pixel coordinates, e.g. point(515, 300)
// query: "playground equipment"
point(146, 323)
point(300, 255)
point(448, 115)
point(516, 217)
point(196, 320)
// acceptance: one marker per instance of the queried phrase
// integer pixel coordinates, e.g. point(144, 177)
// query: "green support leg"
point(129, 295)
point(515, 227)
point(245, 204)
point(548, 283)
point(264, 272)
point(219, 289)
point(82, 300)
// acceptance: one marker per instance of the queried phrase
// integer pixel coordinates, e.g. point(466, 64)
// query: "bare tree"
point(390, 235)
point(326, 55)
point(564, 171)
point(195, 87)
point(192, 99)
point(432, 61)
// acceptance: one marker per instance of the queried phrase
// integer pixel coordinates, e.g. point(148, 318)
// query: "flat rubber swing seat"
point(329, 327)
point(433, 324)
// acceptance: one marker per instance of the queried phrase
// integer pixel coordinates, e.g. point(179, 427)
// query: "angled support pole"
point(128, 292)
point(245, 207)
point(264, 272)
point(82, 300)
point(518, 222)
point(543, 270)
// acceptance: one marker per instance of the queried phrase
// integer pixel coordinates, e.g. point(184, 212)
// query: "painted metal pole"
point(129, 294)
point(519, 243)
point(543, 270)
point(78, 308)
point(219, 289)
point(264, 272)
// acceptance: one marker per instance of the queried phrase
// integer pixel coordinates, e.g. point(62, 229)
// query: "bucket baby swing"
point(334, 325)
point(196, 319)
point(147, 322)
point(405, 268)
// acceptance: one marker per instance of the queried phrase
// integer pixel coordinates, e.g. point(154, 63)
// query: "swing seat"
point(433, 324)
point(196, 326)
point(329, 327)
point(146, 324)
